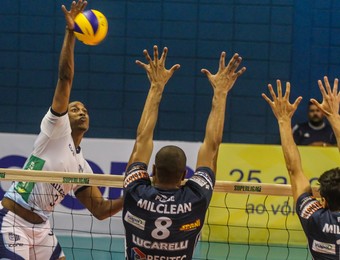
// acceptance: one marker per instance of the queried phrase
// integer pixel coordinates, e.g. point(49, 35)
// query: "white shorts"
point(20, 239)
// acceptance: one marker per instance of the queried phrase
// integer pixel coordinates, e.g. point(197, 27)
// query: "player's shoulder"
point(203, 177)
point(307, 205)
point(136, 172)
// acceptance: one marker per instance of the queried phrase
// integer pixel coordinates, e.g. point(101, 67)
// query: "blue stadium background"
point(291, 40)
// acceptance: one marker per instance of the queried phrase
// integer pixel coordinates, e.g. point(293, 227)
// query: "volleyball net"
point(251, 214)
point(245, 220)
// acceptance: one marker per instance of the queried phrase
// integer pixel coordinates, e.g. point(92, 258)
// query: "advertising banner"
point(240, 218)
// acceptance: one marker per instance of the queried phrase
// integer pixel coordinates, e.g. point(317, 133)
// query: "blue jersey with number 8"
point(164, 224)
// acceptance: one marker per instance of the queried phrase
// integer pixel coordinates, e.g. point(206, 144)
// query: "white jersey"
point(53, 150)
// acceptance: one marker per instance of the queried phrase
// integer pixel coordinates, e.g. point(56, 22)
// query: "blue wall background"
point(291, 40)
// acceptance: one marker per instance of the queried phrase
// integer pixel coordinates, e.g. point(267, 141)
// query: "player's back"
point(321, 227)
point(164, 223)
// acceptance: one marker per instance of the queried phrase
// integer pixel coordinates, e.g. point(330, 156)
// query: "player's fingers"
point(327, 85)
point(206, 72)
point(237, 63)
point(175, 67)
point(318, 105)
point(222, 61)
point(287, 92)
point(164, 54)
point(233, 61)
point(155, 54)
point(315, 102)
point(269, 101)
point(272, 93)
point(279, 88)
point(147, 56)
point(241, 71)
point(141, 64)
point(322, 89)
point(335, 87)
point(63, 8)
point(83, 6)
point(297, 102)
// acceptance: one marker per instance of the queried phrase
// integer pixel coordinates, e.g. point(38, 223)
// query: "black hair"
point(330, 188)
point(170, 164)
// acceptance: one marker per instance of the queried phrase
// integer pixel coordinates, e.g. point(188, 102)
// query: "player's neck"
point(77, 139)
point(166, 186)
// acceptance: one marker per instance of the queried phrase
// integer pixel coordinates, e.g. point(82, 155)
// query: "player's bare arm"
point(66, 59)
point(158, 76)
point(221, 82)
point(101, 208)
point(283, 111)
point(330, 105)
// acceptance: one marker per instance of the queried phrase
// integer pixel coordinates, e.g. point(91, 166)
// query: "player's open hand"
point(226, 76)
point(155, 69)
point(76, 8)
point(330, 97)
point(282, 108)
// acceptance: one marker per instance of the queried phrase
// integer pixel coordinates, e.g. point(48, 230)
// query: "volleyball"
point(90, 27)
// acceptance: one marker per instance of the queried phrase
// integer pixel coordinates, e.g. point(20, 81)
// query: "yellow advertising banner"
point(261, 219)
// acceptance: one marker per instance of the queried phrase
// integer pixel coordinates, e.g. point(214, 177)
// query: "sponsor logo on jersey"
point(59, 189)
point(15, 244)
point(136, 254)
point(309, 208)
point(134, 176)
point(163, 198)
point(190, 226)
point(325, 248)
point(71, 149)
point(331, 228)
point(135, 221)
point(13, 237)
point(200, 181)
point(164, 208)
point(25, 188)
point(205, 176)
point(155, 245)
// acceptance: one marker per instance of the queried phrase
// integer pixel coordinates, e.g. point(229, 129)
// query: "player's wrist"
point(67, 28)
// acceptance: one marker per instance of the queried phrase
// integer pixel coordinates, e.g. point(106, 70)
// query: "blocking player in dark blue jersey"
point(320, 220)
point(163, 219)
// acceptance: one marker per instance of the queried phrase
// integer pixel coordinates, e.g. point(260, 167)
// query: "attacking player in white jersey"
point(25, 231)
point(320, 220)
point(164, 220)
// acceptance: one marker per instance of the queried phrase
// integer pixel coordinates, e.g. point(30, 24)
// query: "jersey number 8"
point(161, 231)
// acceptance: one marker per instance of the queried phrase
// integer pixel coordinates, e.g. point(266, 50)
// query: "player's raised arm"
point(283, 111)
point(158, 76)
point(330, 105)
point(66, 59)
point(221, 82)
